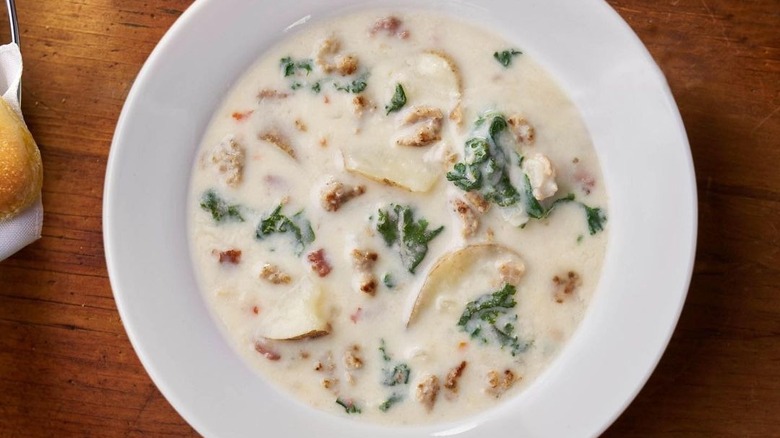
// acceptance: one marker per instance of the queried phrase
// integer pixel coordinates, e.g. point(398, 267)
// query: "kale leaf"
point(398, 227)
point(596, 219)
point(356, 86)
point(397, 376)
point(290, 66)
point(349, 406)
point(387, 404)
point(297, 225)
point(485, 167)
point(398, 100)
point(493, 311)
point(505, 57)
point(219, 208)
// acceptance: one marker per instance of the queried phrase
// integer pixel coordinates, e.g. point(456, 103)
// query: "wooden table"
point(67, 368)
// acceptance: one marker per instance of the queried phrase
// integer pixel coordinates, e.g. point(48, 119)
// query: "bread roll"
point(21, 171)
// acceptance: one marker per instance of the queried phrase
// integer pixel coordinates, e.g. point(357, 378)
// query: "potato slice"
point(460, 276)
point(429, 79)
point(296, 314)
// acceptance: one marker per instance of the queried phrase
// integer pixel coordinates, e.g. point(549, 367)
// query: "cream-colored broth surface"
point(374, 340)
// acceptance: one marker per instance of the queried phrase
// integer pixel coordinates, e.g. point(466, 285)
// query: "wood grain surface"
point(68, 369)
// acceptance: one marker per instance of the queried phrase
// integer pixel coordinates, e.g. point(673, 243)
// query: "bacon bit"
point(272, 94)
point(326, 99)
point(427, 390)
point(499, 384)
point(278, 140)
point(318, 262)
point(451, 381)
point(390, 26)
point(329, 383)
point(360, 104)
point(462, 345)
point(273, 274)
point(256, 310)
point(263, 348)
point(299, 125)
point(240, 116)
point(334, 194)
point(566, 285)
point(323, 142)
point(230, 256)
point(355, 316)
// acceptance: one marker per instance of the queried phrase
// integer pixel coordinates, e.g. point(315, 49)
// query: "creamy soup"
point(397, 217)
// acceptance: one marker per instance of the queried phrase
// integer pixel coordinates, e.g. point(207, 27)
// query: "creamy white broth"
point(327, 133)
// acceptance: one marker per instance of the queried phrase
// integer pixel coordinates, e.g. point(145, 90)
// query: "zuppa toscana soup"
point(397, 217)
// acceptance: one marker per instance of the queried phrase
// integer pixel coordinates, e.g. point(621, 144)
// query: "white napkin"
point(24, 228)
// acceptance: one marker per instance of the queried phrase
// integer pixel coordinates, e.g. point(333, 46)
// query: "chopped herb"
point(398, 100)
point(219, 208)
point(397, 226)
point(492, 310)
point(579, 238)
point(505, 57)
point(388, 281)
point(397, 376)
point(296, 85)
point(596, 219)
point(316, 87)
point(297, 225)
point(395, 398)
point(349, 406)
point(383, 349)
point(290, 66)
point(356, 86)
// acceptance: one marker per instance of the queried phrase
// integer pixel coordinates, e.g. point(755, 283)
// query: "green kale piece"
point(505, 57)
point(397, 226)
point(383, 349)
point(493, 311)
point(291, 66)
point(399, 375)
point(219, 208)
point(356, 86)
point(387, 404)
point(349, 406)
point(398, 100)
point(388, 280)
point(297, 225)
point(596, 219)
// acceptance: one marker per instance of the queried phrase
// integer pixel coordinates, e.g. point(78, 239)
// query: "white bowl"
point(645, 158)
